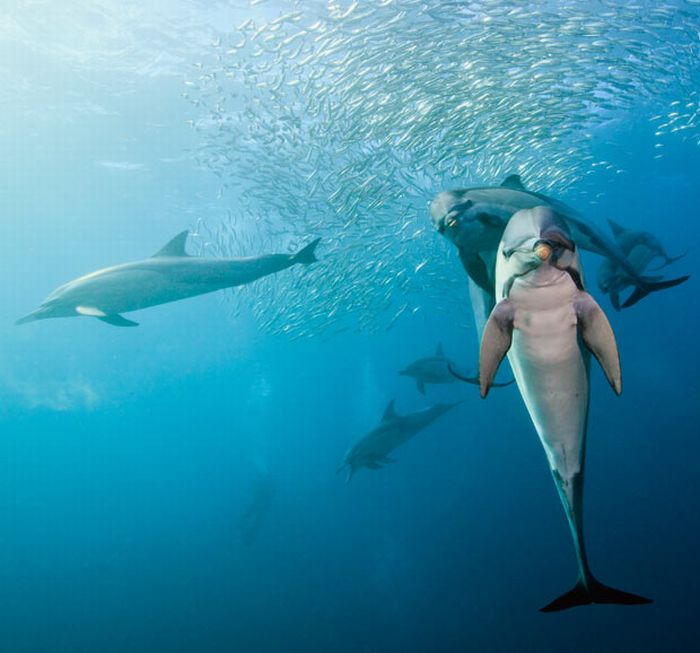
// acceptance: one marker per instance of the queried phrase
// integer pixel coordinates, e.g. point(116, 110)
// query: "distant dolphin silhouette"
point(640, 248)
point(430, 370)
point(262, 497)
point(438, 369)
point(372, 451)
point(168, 276)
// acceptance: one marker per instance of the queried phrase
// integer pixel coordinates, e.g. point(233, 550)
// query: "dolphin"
point(372, 451)
point(640, 248)
point(438, 369)
point(548, 325)
point(430, 370)
point(262, 497)
point(474, 220)
point(167, 276)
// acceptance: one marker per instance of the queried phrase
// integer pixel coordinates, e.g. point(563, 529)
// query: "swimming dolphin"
point(262, 498)
point(372, 451)
point(438, 369)
point(169, 275)
point(430, 370)
point(474, 220)
point(548, 325)
point(640, 248)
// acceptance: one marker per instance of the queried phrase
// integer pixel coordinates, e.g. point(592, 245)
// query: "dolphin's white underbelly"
point(550, 368)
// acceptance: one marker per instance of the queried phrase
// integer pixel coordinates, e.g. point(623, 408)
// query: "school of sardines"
point(341, 119)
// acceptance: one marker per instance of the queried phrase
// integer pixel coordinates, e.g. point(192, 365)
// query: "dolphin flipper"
point(476, 269)
point(498, 336)
point(594, 592)
point(111, 318)
point(420, 385)
point(118, 320)
point(599, 338)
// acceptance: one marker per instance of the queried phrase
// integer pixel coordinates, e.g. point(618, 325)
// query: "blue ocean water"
point(130, 457)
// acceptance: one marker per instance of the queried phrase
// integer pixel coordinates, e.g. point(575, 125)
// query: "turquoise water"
point(173, 487)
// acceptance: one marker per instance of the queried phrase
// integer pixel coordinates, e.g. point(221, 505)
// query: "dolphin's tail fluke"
point(593, 592)
point(307, 255)
point(474, 380)
point(350, 470)
point(670, 259)
point(648, 286)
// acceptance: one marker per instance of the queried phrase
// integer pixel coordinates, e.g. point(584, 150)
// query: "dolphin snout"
point(446, 209)
point(38, 314)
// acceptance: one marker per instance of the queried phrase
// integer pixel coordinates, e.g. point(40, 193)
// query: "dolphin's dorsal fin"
point(514, 182)
point(389, 411)
point(174, 247)
point(617, 229)
point(439, 353)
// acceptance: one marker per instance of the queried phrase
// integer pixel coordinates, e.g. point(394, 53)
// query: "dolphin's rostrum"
point(167, 276)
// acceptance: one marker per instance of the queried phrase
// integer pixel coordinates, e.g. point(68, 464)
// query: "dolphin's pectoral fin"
point(174, 247)
point(118, 320)
point(439, 351)
point(420, 385)
point(498, 336)
point(593, 592)
point(477, 270)
point(111, 318)
point(598, 336)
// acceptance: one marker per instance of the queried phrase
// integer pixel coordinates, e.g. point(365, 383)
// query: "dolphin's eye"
point(451, 218)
